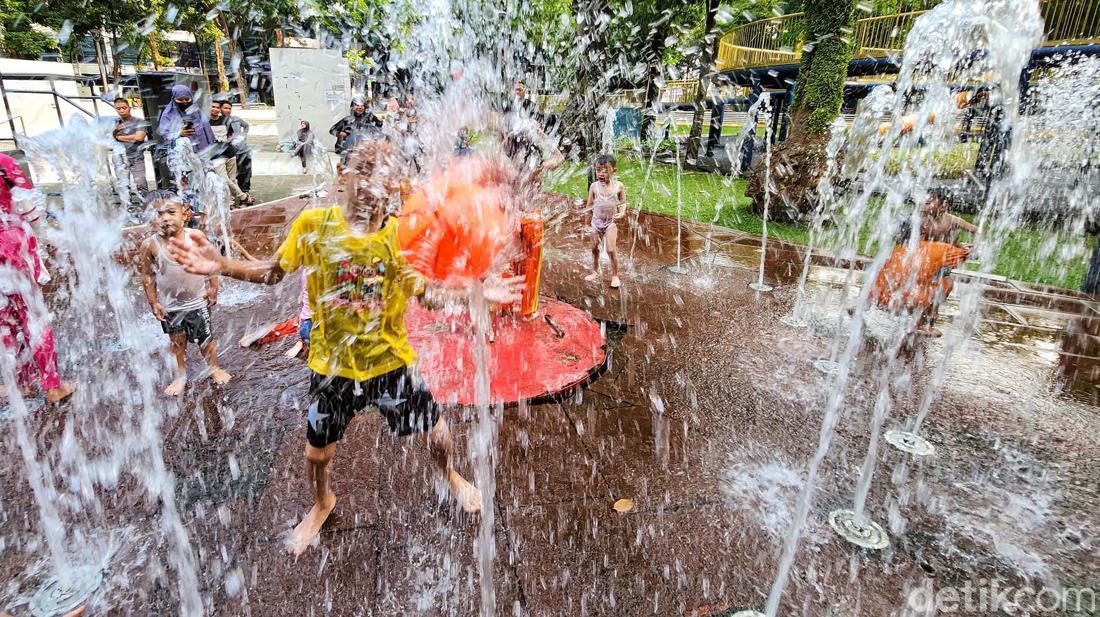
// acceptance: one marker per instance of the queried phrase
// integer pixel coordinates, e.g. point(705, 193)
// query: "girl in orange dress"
point(917, 281)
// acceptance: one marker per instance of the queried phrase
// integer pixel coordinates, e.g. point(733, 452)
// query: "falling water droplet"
point(65, 32)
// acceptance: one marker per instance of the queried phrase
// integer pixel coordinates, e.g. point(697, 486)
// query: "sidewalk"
point(275, 174)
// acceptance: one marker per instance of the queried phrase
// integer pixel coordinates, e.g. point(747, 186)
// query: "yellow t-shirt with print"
point(358, 288)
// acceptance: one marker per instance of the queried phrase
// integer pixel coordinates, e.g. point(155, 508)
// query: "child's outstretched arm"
point(198, 256)
point(149, 280)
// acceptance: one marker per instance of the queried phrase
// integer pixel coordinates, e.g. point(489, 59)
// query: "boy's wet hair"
point(161, 195)
point(123, 99)
point(606, 159)
point(375, 147)
point(940, 193)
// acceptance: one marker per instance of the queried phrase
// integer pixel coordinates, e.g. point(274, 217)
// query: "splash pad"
point(536, 358)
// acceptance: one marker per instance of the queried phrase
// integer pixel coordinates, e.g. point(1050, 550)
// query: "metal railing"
point(1071, 22)
point(766, 42)
point(58, 98)
point(679, 92)
point(682, 92)
point(876, 37)
point(779, 40)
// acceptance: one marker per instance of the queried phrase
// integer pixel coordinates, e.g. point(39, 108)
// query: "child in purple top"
point(607, 199)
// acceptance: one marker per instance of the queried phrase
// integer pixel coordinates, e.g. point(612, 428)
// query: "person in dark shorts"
point(131, 132)
point(358, 287)
point(180, 300)
point(399, 395)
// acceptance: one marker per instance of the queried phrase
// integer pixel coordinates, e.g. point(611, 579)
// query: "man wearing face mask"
point(360, 121)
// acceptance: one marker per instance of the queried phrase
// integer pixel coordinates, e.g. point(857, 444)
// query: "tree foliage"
point(824, 64)
point(19, 39)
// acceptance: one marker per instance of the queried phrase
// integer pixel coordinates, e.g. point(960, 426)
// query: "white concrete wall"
point(38, 112)
point(312, 85)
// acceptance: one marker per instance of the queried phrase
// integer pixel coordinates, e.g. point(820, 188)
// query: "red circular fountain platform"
point(528, 358)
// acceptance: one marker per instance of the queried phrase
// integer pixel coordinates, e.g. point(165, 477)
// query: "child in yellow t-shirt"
point(358, 286)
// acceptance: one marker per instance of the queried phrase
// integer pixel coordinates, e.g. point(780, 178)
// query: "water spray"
point(759, 285)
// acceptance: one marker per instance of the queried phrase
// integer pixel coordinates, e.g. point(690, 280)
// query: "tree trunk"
point(154, 51)
point(116, 65)
point(97, 40)
point(708, 50)
point(116, 62)
point(223, 81)
point(798, 163)
point(654, 60)
point(202, 68)
point(242, 79)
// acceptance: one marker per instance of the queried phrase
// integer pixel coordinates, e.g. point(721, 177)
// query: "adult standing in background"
point(223, 156)
point(184, 119)
point(521, 105)
point(238, 137)
point(131, 132)
point(360, 120)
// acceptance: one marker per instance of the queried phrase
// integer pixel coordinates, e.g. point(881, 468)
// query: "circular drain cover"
point(827, 367)
point(54, 598)
point(794, 322)
point(762, 287)
point(858, 530)
point(908, 442)
point(676, 269)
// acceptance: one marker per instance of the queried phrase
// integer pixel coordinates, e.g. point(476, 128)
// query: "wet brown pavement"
point(706, 416)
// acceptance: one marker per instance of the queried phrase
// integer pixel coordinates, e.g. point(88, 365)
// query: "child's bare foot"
point(176, 387)
point(593, 276)
point(615, 282)
point(220, 377)
point(468, 495)
point(60, 393)
point(310, 526)
point(294, 351)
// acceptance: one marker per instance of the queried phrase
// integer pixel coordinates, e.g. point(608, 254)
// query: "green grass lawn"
point(682, 130)
point(721, 200)
point(705, 197)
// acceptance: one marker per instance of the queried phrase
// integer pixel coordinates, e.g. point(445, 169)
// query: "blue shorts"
point(304, 327)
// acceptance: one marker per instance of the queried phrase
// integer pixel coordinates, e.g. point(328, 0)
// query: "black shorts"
point(406, 403)
point(194, 323)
